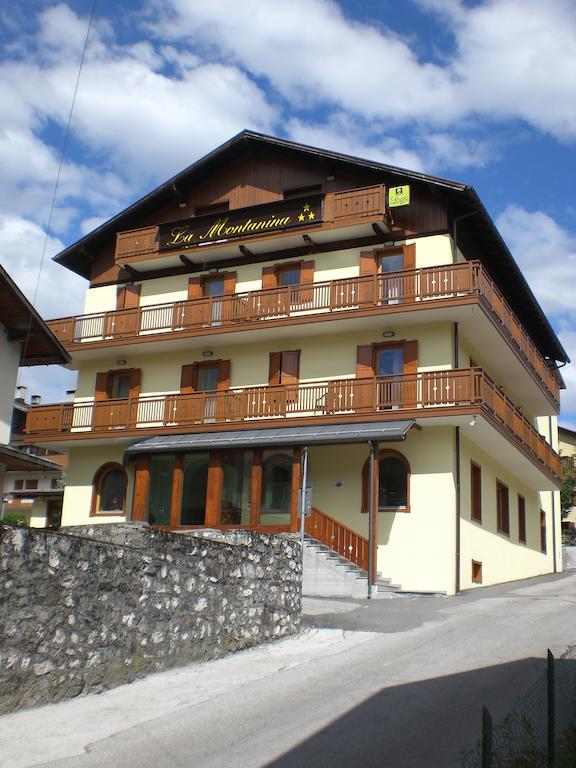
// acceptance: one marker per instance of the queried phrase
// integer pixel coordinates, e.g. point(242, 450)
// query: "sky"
point(481, 92)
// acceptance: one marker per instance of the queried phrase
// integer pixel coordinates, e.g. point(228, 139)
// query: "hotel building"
point(279, 326)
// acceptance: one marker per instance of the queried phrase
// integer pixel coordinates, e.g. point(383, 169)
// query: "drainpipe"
point(553, 497)
point(371, 519)
point(457, 478)
point(303, 491)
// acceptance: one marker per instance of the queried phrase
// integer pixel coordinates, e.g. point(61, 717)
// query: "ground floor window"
point(218, 488)
point(109, 490)
point(393, 483)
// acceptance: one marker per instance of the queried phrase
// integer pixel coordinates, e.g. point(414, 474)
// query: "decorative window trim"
point(101, 473)
point(383, 454)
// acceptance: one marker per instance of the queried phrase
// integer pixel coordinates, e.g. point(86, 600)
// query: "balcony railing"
point(379, 293)
point(422, 394)
point(338, 209)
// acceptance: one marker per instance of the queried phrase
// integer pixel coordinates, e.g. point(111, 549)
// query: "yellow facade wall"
point(82, 466)
point(430, 251)
point(503, 557)
point(322, 357)
point(416, 548)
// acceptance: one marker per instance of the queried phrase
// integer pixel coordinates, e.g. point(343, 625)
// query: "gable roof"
point(475, 228)
point(24, 324)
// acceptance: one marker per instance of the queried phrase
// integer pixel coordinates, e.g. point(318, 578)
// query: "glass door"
point(160, 493)
point(389, 370)
point(236, 488)
point(391, 283)
point(214, 287)
point(195, 483)
point(208, 377)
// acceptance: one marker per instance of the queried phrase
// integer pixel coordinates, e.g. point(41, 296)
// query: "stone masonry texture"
point(88, 608)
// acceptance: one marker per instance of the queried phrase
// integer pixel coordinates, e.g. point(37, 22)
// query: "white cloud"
point(58, 292)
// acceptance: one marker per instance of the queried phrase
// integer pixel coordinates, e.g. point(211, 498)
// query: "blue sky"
point(480, 92)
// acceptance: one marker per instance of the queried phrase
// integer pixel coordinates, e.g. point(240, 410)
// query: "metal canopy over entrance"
point(322, 434)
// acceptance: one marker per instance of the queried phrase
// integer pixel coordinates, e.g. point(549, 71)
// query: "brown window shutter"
point(364, 361)
point(307, 272)
point(135, 378)
point(410, 357)
point(224, 374)
point(409, 256)
point(120, 297)
point(195, 287)
point(269, 277)
point(290, 367)
point(188, 379)
point(229, 282)
point(274, 369)
point(101, 390)
point(368, 263)
point(132, 296)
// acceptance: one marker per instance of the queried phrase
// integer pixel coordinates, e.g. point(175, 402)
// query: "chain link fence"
point(540, 730)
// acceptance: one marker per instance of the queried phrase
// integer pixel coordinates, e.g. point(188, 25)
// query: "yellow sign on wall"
point(398, 196)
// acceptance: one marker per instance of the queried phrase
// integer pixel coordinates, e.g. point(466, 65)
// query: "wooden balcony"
point(430, 394)
point(356, 296)
point(339, 209)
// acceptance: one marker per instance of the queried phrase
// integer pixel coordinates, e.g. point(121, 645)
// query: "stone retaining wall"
point(90, 607)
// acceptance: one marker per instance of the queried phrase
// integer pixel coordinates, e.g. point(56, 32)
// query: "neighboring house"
point(277, 317)
point(35, 491)
point(24, 340)
point(567, 447)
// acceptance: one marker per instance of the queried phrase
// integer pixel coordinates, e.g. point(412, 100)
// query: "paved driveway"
point(390, 683)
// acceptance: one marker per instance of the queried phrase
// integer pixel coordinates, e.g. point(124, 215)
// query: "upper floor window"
point(502, 509)
point(109, 490)
point(476, 492)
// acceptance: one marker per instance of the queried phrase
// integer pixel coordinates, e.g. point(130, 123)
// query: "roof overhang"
point(323, 434)
point(13, 459)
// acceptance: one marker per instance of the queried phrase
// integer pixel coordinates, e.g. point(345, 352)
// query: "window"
point(18, 485)
point(31, 485)
point(276, 485)
point(109, 490)
point(55, 483)
point(476, 572)
point(393, 483)
point(502, 509)
point(119, 383)
point(289, 275)
point(311, 189)
point(476, 492)
point(521, 519)
point(543, 531)
point(205, 210)
point(284, 367)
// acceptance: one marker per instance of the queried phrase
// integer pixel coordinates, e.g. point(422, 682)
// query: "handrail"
point(332, 297)
point(383, 396)
point(338, 537)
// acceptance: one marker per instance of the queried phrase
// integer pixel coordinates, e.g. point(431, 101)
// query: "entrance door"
point(195, 482)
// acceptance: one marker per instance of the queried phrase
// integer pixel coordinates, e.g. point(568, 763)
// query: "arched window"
point(109, 490)
point(393, 483)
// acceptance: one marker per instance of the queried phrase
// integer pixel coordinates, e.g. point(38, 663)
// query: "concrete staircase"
point(328, 574)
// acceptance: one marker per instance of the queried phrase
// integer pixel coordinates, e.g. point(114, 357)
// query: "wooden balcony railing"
point(338, 537)
point(376, 293)
point(338, 209)
point(386, 398)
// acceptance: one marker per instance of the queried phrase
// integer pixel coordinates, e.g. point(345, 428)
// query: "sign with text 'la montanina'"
point(243, 222)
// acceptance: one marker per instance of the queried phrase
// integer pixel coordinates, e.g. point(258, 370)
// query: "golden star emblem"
point(311, 216)
point(301, 217)
point(306, 207)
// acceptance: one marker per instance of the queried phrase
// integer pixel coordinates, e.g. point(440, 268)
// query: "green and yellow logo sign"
point(398, 196)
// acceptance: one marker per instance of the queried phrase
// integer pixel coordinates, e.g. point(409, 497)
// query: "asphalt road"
point(392, 683)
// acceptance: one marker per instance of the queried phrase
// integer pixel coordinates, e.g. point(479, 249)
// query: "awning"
point(322, 434)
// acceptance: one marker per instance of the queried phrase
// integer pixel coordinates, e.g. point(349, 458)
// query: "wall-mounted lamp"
point(388, 334)
point(207, 353)
point(182, 205)
point(120, 362)
point(473, 420)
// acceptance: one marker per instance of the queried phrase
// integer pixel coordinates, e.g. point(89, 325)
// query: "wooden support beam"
point(131, 271)
point(186, 261)
point(141, 487)
point(256, 493)
point(214, 490)
point(245, 251)
point(295, 490)
point(177, 484)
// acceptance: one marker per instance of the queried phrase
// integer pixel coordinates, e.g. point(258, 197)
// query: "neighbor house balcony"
point(282, 225)
point(439, 395)
point(445, 289)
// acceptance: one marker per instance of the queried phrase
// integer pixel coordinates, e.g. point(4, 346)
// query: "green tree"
point(568, 486)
